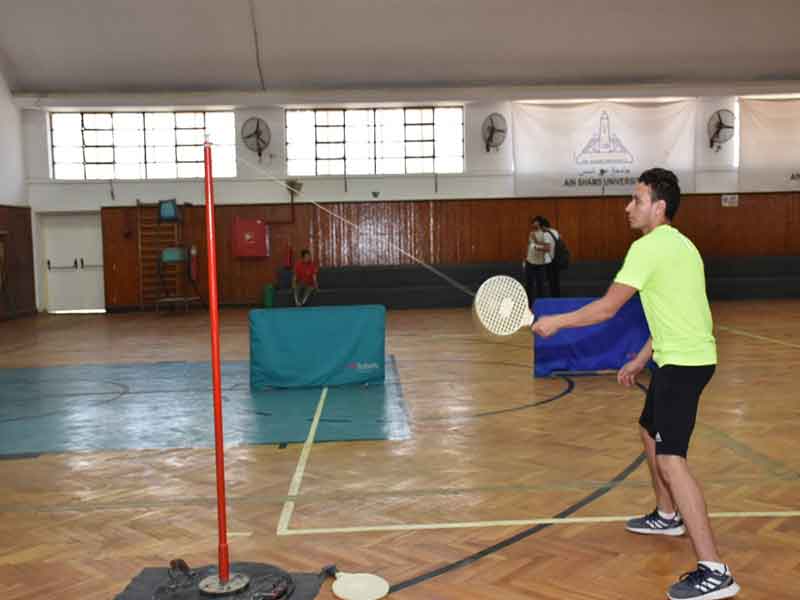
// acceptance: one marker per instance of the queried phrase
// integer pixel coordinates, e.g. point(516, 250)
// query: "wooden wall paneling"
point(445, 231)
point(595, 229)
point(20, 296)
point(486, 225)
point(513, 216)
point(571, 214)
point(23, 268)
point(244, 278)
point(120, 257)
point(381, 217)
point(756, 227)
point(619, 235)
point(458, 232)
point(401, 231)
point(425, 217)
point(193, 233)
point(440, 225)
point(353, 250)
point(7, 308)
point(461, 217)
point(330, 239)
point(282, 230)
point(366, 239)
point(699, 219)
point(229, 269)
point(415, 224)
point(385, 218)
point(762, 225)
point(792, 243)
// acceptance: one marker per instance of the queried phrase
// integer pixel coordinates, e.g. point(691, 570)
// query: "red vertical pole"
point(213, 309)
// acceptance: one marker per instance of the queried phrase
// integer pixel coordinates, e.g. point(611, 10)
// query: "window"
point(141, 145)
point(375, 141)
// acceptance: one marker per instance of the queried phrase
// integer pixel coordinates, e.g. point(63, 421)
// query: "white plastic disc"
point(359, 586)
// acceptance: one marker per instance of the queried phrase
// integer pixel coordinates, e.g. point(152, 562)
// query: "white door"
point(73, 262)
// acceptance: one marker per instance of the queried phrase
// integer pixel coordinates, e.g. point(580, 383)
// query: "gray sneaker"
point(654, 523)
point(704, 584)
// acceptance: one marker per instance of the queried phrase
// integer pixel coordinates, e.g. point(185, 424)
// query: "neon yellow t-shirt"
point(667, 269)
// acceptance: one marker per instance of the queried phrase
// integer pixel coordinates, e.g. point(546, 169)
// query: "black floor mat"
point(152, 579)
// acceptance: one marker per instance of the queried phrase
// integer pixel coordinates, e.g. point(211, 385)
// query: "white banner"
point(600, 147)
point(770, 136)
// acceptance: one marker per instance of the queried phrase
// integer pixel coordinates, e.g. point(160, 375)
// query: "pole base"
point(212, 586)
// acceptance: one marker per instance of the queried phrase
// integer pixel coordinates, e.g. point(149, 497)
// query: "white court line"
point(297, 479)
point(756, 336)
point(518, 523)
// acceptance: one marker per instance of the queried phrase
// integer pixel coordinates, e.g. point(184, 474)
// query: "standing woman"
point(535, 265)
point(549, 237)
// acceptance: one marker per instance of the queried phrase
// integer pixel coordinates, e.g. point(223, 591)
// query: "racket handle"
point(527, 321)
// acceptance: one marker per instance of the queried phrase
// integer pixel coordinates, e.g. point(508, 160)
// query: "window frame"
point(144, 130)
point(374, 142)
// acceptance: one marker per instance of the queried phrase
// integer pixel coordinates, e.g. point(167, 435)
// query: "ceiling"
point(126, 46)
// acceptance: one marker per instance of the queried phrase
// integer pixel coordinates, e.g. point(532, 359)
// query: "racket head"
point(501, 306)
point(359, 586)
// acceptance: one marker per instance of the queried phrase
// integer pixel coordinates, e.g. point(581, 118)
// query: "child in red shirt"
point(304, 279)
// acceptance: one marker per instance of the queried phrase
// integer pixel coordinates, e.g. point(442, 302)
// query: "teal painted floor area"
point(169, 405)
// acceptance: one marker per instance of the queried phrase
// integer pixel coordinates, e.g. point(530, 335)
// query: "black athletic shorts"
point(671, 406)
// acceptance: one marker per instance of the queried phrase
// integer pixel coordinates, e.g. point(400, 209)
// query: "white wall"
point(487, 174)
point(12, 172)
point(715, 171)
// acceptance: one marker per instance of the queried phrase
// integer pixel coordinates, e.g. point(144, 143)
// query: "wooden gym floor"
point(494, 456)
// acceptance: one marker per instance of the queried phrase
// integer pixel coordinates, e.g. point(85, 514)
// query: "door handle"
point(87, 266)
point(72, 267)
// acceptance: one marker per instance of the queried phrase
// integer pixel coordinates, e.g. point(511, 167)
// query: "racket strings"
point(355, 226)
point(502, 305)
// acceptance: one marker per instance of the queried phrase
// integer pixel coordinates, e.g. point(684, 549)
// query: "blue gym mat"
point(169, 405)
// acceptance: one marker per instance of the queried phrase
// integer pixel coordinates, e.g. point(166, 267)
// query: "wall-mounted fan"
point(721, 126)
point(256, 135)
point(494, 130)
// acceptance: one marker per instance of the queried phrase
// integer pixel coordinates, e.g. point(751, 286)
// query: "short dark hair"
point(664, 186)
point(542, 221)
point(304, 252)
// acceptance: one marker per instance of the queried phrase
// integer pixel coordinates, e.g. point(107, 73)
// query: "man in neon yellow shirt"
point(667, 271)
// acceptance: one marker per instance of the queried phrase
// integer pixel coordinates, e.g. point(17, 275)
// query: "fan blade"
point(249, 135)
